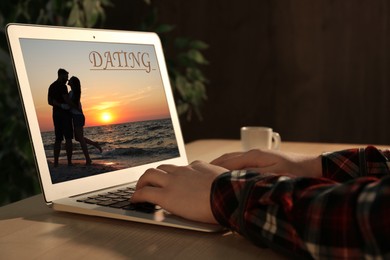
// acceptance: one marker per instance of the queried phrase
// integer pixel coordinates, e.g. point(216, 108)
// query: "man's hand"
point(181, 190)
point(270, 161)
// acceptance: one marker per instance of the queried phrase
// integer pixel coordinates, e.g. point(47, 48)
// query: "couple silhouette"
point(68, 117)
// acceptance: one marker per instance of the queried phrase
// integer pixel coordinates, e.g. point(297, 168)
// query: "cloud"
point(106, 105)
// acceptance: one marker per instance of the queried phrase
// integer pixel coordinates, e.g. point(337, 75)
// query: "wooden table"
point(30, 230)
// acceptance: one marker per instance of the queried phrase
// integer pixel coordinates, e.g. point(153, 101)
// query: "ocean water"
point(125, 145)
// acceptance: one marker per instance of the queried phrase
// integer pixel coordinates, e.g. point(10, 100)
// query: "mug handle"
point(276, 140)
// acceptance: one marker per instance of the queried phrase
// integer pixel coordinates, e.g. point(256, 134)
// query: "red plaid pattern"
point(344, 215)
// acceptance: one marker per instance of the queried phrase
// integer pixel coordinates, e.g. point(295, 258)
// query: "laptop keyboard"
point(119, 199)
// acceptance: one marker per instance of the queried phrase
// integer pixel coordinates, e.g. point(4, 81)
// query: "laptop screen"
point(118, 108)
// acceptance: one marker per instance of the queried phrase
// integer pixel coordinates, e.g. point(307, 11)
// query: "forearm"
point(306, 215)
point(252, 205)
point(348, 164)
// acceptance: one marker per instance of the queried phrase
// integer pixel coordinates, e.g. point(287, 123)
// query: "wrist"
point(218, 199)
point(314, 165)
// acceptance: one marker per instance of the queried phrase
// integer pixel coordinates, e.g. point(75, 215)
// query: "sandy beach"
point(79, 169)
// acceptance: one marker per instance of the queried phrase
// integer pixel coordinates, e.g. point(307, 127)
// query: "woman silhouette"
point(79, 119)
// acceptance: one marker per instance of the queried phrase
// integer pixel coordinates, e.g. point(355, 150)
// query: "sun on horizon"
point(106, 117)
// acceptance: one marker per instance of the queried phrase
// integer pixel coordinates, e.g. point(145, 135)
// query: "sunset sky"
point(124, 92)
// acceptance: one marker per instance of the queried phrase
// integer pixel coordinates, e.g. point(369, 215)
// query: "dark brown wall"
point(313, 70)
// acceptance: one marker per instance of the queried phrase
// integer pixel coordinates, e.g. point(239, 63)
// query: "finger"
point(250, 159)
point(203, 167)
point(148, 194)
point(225, 157)
point(234, 162)
point(168, 168)
point(196, 163)
point(153, 177)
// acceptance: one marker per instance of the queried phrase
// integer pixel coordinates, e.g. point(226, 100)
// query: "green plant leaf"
point(196, 56)
point(182, 43)
point(73, 19)
point(164, 28)
point(200, 45)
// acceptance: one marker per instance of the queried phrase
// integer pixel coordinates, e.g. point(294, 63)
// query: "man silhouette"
point(58, 98)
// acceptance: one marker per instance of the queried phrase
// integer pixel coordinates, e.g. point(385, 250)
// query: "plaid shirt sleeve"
point(344, 214)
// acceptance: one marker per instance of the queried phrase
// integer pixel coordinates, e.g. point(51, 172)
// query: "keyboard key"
point(118, 199)
point(92, 201)
point(121, 204)
point(113, 196)
point(106, 203)
point(103, 198)
point(142, 207)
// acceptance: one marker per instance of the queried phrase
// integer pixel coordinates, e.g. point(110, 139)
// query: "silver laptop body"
point(129, 112)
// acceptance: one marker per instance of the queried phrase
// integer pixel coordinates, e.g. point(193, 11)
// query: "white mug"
point(257, 137)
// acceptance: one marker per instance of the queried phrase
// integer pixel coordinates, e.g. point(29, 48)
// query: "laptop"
point(131, 123)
